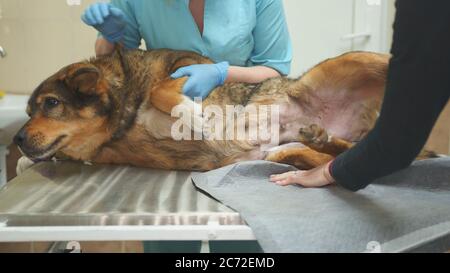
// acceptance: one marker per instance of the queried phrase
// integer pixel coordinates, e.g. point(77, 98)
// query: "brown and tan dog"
point(117, 110)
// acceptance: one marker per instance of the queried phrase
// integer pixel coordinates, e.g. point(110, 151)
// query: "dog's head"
point(68, 113)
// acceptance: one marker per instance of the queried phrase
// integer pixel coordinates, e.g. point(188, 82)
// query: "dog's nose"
point(20, 137)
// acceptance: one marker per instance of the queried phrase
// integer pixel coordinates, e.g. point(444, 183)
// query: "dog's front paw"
point(313, 135)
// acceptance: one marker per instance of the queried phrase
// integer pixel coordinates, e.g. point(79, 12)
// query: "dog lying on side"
point(117, 110)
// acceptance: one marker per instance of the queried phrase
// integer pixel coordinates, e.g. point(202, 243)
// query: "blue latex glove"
point(107, 19)
point(203, 78)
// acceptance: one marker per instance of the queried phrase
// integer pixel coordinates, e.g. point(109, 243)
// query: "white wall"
point(40, 37)
point(316, 27)
point(390, 20)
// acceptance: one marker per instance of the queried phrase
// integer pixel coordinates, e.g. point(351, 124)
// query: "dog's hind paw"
point(313, 135)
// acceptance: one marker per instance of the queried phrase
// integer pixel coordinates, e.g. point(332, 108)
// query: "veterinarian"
point(248, 40)
point(418, 88)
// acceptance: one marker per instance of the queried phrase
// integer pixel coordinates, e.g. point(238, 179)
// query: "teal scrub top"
point(242, 32)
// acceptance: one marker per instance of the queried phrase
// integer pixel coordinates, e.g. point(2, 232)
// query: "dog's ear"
point(83, 78)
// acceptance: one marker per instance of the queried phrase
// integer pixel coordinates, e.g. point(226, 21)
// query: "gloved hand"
point(107, 19)
point(203, 78)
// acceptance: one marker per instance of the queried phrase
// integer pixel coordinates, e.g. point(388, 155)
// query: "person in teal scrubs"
point(247, 39)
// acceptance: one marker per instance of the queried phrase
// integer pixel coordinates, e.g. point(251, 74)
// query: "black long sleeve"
point(417, 90)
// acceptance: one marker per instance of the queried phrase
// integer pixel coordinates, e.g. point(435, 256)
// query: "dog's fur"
point(116, 110)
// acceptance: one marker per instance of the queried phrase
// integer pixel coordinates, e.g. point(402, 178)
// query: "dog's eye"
point(51, 103)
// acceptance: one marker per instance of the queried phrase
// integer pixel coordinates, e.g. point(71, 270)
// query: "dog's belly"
point(349, 119)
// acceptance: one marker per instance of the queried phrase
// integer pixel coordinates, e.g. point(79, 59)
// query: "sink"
point(12, 116)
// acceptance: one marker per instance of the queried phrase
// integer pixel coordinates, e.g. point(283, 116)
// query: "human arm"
point(417, 90)
point(253, 74)
point(103, 47)
point(115, 22)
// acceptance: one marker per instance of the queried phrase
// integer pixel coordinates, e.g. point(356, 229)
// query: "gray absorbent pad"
point(405, 212)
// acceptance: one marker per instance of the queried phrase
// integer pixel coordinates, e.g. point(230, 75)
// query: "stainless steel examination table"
point(65, 201)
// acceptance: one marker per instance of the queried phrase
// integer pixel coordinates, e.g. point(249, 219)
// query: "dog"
point(117, 109)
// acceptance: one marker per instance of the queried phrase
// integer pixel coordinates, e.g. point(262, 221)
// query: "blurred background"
point(39, 37)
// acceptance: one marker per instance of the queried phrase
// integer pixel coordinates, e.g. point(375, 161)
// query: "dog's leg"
point(318, 139)
point(303, 158)
point(168, 94)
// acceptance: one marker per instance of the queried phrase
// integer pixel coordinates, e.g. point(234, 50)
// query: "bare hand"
point(318, 177)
